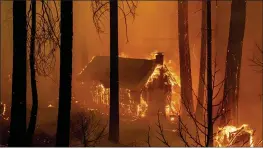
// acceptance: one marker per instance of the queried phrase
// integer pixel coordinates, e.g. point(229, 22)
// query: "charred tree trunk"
point(18, 110)
point(66, 29)
point(233, 60)
point(33, 118)
point(209, 136)
point(201, 86)
point(1, 62)
point(114, 73)
point(184, 55)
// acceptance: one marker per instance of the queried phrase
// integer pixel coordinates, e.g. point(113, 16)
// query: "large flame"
point(231, 136)
point(100, 94)
point(173, 105)
point(142, 107)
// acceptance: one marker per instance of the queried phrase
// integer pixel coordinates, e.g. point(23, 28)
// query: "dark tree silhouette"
point(201, 86)
point(33, 117)
point(184, 54)
point(18, 110)
point(66, 29)
point(99, 8)
point(209, 78)
point(233, 59)
point(114, 73)
point(1, 104)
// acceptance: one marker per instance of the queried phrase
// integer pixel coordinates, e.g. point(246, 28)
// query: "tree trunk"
point(18, 110)
point(33, 118)
point(201, 86)
point(209, 136)
point(114, 73)
point(1, 62)
point(66, 29)
point(184, 55)
point(1, 59)
point(233, 60)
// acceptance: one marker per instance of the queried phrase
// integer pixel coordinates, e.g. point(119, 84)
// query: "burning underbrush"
point(232, 136)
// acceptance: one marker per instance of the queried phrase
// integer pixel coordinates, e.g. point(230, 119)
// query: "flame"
point(122, 54)
point(3, 114)
point(50, 106)
point(4, 108)
point(174, 77)
point(142, 107)
point(228, 135)
point(152, 55)
point(101, 95)
point(173, 104)
point(154, 75)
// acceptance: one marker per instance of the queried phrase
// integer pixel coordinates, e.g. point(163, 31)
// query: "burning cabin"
point(146, 86)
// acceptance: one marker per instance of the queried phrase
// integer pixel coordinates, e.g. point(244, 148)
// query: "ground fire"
point(146, 86)
point(232, 136)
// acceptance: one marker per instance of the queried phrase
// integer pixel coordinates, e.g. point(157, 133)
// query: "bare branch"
point(161, 132)
point(148, 137)
point(100, 7)
point(87, 128)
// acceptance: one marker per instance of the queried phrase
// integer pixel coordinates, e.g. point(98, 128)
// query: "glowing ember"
point(122, 54)
point(4, 108)
point(3, 114)
point(232, 136)
point(50, 106)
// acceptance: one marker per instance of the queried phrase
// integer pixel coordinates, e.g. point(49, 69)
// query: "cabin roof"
point(133, 73)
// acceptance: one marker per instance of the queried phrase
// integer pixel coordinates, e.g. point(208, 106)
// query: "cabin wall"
point(157, 95)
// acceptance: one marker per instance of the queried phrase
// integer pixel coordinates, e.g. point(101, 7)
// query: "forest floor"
point(132, 133)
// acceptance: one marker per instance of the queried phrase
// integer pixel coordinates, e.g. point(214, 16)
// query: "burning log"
point(232, 136)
